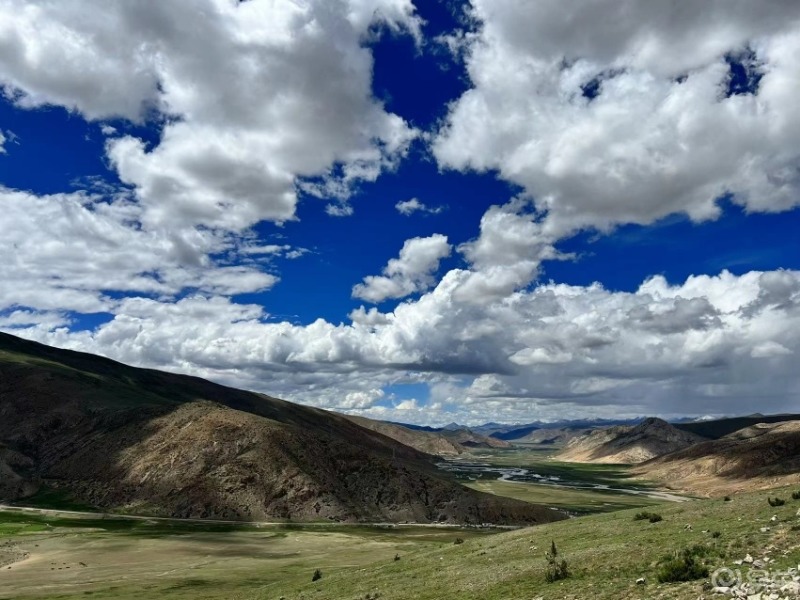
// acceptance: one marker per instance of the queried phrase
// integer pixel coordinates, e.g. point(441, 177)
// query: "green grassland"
point(89, 556)
point(575, 501)
point(113, 557)
point(606, 553)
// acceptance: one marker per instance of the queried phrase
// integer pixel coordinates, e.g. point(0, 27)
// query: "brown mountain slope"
point(628, 445)
point(552, 437)
point(429, 442)
point(469, 439)
point(758, 457)
point(120, 437)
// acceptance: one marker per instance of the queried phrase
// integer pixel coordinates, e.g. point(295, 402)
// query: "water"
point(474, 471)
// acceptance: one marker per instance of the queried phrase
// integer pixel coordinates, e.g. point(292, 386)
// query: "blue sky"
point(414, 211)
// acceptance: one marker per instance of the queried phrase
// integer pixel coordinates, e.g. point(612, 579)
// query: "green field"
point(573, 500)
point(606, 554)
point(85, 556)
point(90, 556)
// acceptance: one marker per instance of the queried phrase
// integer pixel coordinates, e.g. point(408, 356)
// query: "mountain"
point(628, 445)
point(717, 428)
point(438, 443)
point(469, 439)
point(757, 457)
point(552, 436)
point(514, 434)
point(119, 437)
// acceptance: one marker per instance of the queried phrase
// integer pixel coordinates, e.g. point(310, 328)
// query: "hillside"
point(437, 443)
point(469, 439)
point(717, 428)
point(559, 436)
point(606, 554)
point(623, 444)
point(119, 437)
point(758, 457)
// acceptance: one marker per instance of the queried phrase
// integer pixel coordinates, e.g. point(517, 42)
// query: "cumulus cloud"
point(711, 345)
point(69, 251)
point(255, 96)
point(409, 207)
point(411, 272)
point(609, 112)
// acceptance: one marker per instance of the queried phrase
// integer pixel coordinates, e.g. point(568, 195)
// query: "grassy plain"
point(606, 554)
point(91, 557)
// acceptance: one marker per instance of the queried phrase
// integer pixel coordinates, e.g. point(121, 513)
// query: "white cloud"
point(256, 95)
point(68, 251)
point(411, 272)
point(409, 207)
point(659, 136)
point(712, 345)
point(2, 142)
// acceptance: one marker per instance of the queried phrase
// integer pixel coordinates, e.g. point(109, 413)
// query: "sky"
point(470, 211)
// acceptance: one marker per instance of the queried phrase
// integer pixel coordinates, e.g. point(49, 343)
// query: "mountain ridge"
point(119, 437)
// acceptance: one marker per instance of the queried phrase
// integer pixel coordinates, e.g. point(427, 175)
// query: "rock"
point(774, 518)
point(721, 590)
point(641, 581)
point(748, 559)
point(764, 529)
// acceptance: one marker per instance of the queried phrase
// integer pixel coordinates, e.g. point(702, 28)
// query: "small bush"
point(317, 575)
point(715, 534)
point(684, 566)
point(795, 495)
point(458, 541)
point(727, 498)
point(396, 557)
point(776, 501)
point(556, 569)
point(648, 516)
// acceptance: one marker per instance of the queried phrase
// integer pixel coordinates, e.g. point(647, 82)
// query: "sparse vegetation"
point(557, 569)
point(776, 501)
point(685, 565)
point(648, 516)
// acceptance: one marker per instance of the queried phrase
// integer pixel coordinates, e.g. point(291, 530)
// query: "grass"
point(56, 499)
point(576, 501)
point(571, 498)
point(606, 554)
point(543, 464)
point(87, 556)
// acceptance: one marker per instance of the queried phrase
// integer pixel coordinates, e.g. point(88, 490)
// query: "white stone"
point(721, 590)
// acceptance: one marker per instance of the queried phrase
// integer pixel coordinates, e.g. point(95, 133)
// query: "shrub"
point(715, 534)
point(317, 575)
point(795, 495)
point(556, 569)
point(684, 566)
point(396, 557)
point(648, 516)
point(776, 501)
point(458, 541)
point(727, 498)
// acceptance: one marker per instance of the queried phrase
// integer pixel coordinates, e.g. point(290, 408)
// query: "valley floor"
point(61, 554)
